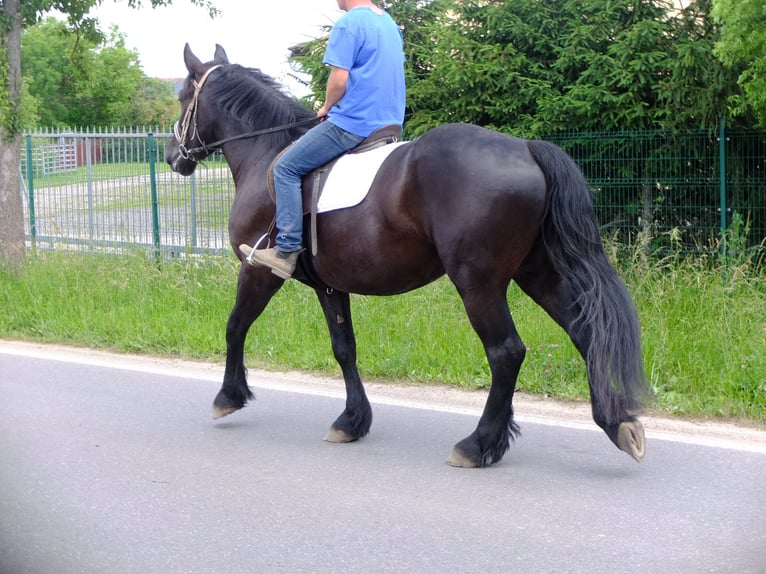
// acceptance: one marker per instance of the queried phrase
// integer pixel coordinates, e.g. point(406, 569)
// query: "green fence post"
point(153, 185)
point(31, 192)
point(722, 177)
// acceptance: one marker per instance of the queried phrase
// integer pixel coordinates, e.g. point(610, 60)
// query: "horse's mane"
point(255, 99)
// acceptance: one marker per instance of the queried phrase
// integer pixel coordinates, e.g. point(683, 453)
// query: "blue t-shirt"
point(369, 46)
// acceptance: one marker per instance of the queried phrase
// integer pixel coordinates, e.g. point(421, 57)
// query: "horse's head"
point(223, 103)
point(188, 144)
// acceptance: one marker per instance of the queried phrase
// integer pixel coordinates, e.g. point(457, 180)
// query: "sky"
point(254, 33)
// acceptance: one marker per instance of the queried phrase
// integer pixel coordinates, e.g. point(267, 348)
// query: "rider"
point(365, 92)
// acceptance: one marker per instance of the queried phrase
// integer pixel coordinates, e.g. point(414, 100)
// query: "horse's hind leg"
point(254, 290)
point(356, 419)
point(489, 315)
point(611, 407)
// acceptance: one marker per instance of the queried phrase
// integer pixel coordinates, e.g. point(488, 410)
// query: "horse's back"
point(472, 156)
point(457, 170)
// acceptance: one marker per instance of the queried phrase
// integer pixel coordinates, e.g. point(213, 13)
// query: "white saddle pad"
point(351, 178)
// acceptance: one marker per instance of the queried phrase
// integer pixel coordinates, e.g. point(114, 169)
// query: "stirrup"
point(249, 258)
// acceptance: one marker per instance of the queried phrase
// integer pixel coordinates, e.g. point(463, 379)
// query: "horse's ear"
point(193, 63)
point(220, 55)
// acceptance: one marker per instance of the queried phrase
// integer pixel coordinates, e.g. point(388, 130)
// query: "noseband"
point(189, 122)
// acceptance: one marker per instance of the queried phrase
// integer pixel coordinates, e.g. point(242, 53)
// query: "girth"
point(313, 183)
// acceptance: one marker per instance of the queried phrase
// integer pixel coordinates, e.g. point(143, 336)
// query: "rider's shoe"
point(282, 264)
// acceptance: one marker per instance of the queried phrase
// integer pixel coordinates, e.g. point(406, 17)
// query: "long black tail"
point(606, 326)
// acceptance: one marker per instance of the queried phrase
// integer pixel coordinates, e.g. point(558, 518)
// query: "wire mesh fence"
point(111, 190)
point(676, 190)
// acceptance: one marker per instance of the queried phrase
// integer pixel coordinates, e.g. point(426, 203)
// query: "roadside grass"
point(704, 335)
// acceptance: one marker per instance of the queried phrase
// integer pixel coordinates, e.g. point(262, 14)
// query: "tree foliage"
point(77, 82)
point(537, 67)
point(742, 45)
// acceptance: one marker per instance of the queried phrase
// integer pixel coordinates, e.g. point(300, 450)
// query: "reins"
point(208, 148)
point(190, 120)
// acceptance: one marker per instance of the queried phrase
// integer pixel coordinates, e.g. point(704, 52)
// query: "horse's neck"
point(249, 160)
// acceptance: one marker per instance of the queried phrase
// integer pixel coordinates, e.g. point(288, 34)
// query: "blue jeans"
point(315, 148)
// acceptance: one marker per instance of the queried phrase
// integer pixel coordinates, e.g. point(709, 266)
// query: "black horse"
point(480, 206)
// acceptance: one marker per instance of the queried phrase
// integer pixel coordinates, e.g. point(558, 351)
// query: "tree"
point(78, 82)
point(536, 68)
point(154, 103)
point(743, 45)
point(11, 211)
point(52, 56)
point(16, 15)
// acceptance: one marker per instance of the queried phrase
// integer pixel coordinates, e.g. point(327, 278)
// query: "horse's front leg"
point(356, 419)
point(255, 289)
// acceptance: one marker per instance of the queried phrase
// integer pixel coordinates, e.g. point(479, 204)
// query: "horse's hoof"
point(338, 436)
point(224, 405)
point(220, 412)
point(631, 439)
point(458, 458)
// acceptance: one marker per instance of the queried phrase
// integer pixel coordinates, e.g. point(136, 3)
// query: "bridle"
point(189, 122)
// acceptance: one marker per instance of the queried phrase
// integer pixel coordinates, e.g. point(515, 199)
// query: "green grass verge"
point(704, 337)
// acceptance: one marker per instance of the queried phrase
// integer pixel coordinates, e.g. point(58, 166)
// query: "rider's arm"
point(336, 87)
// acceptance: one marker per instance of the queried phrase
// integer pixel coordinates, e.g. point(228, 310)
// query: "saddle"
point(313, 183)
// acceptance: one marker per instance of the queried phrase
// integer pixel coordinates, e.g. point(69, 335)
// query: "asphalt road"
point(118, 468)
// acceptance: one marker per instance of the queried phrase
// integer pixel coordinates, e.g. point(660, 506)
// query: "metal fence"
point(110, 190)
point(677, 190)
